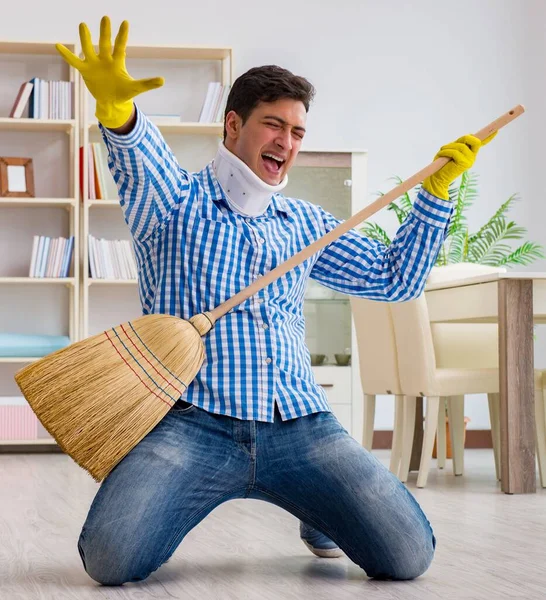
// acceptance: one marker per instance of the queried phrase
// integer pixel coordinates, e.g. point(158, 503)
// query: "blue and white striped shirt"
point(193, 253)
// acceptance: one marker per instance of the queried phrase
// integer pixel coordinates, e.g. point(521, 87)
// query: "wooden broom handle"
point(347, 225)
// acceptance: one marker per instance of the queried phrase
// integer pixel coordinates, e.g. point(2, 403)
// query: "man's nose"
point(284, 140)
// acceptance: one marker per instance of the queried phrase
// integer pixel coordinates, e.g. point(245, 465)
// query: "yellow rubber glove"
point(106, 76)
point(463, 153)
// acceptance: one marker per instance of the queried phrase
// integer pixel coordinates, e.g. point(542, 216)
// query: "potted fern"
point(490, 245)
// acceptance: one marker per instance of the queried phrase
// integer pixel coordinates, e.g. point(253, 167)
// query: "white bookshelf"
point(187, 71)
point(31, 305)
point(334, 178)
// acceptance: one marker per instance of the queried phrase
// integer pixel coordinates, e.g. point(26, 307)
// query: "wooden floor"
point(490, 546)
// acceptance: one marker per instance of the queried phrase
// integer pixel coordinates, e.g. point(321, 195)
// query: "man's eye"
point(275, 125)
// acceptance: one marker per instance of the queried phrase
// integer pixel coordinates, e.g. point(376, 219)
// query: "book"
point(21, 100)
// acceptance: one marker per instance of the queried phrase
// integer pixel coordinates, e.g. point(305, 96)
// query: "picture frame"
point(16, 177)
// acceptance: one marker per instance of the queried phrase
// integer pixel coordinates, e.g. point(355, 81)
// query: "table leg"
point(417, 445)
point(516, 372)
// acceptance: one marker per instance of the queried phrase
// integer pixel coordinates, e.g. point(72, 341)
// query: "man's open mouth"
point(273, 163)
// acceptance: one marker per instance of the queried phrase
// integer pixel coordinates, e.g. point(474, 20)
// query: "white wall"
point(398, 78)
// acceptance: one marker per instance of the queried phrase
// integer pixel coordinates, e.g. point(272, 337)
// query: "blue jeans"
point(192, 461)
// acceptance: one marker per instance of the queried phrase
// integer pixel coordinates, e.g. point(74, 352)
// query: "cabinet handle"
point(326, 384)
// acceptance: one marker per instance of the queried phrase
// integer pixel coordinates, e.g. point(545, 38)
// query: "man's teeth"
point(274, 157)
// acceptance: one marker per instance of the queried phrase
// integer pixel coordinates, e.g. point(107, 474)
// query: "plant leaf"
point(463, 197)
point(376, 232)
point(500, 214)
point(524, 255)
point(401, 214)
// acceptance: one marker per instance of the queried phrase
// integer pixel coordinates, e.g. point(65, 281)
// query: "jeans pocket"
point(181, 407)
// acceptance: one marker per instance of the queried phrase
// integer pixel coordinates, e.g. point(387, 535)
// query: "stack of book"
point(17, 420)
point(100, 180)
point(214, 104)
point(51, 257)
point(45, 100)
point(111, 259)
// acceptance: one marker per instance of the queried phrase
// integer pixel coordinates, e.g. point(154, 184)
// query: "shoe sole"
point(323, 552)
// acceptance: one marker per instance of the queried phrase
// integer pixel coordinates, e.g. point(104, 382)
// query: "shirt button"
point(267, 361)
point(265, 326)
point(261, 240)
point(260, 300)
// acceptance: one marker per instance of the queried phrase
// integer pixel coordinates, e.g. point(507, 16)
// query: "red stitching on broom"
point(151, 365)
point(123, 359)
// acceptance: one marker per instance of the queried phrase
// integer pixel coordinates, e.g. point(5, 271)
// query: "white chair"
point(378, 368)
point(448, 361)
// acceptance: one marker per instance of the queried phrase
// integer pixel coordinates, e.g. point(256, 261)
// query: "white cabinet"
point(335, 180)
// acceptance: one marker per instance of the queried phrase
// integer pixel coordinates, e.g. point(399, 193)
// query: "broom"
point(100, 396)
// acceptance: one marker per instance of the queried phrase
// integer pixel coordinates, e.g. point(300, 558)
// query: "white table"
point(514, 300)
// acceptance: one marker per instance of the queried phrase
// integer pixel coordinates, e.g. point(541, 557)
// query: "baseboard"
point(475, 438)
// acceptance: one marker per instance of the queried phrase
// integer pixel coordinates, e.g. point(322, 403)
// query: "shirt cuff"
point(432, 210)
point(131, 139)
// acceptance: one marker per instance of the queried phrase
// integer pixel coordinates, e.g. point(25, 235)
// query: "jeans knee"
point(109, 566)
point(409, 563)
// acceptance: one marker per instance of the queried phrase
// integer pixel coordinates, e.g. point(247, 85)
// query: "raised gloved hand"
point(106, 76)
point(463, 153)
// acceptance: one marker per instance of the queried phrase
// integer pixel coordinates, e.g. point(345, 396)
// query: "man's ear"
point(233, 124)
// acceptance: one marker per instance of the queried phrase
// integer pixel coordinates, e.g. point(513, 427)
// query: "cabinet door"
point(336, 382)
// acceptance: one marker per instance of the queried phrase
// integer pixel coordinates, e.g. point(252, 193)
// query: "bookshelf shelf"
point(67, 203)
point(215, 129)
point(24, 124)
point(38, 48)
point(69, 281)
point(102, 203)
point(179, 52)
point(91, 281)
point(36, 442)
point(18, 359)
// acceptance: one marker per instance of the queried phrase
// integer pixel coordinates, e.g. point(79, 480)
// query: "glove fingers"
point(87, 44)
point(462, 158)
point(471, 141)
point(459, 150)
point(105, 40)
point(143, 85)
point(121, 40)
point(70, 57)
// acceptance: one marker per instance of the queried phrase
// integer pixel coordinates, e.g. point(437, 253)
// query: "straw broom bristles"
point(99, 397)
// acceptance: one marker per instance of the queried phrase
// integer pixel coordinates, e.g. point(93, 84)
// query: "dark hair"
point(266, 84)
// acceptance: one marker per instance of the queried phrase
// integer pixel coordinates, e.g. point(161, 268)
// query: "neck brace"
point(245, 192)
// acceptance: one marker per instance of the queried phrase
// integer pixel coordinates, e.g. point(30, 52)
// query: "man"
point(253, 423)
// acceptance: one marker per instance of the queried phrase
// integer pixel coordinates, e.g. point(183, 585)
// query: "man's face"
point(270, 140)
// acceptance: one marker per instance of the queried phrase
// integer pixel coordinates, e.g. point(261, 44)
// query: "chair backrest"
point(414, 346)
point(464, 345)
point(423, 347)
point(376, 346)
